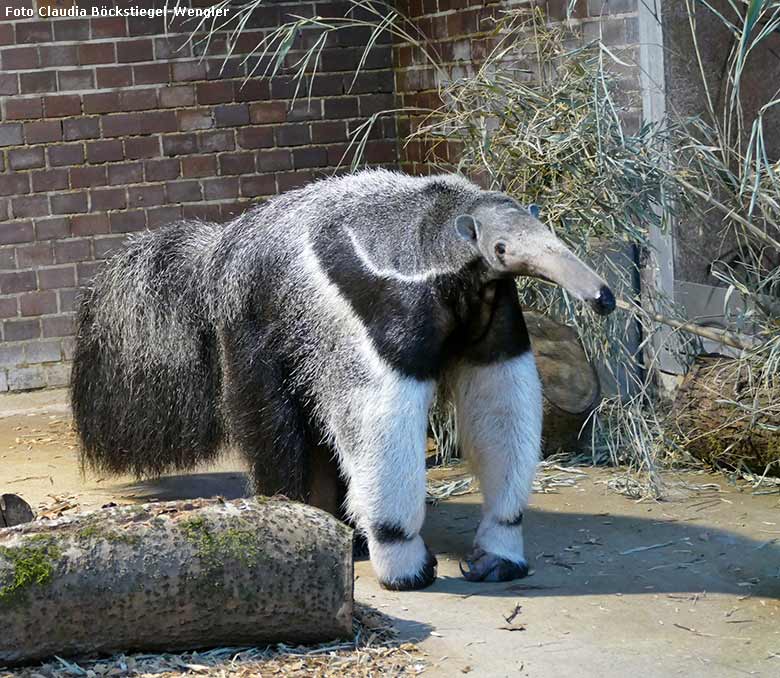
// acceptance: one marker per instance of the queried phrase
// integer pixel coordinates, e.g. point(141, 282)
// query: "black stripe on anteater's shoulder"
point(406, 321)
point(145, 379)
point(389, 244)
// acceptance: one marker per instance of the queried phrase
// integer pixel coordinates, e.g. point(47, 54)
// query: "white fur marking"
point(340, 309)
point(421, 276)
point(387, 468)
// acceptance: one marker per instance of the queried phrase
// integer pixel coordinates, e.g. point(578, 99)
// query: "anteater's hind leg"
point(276, 435)
point(263, 418)
point(326, 488)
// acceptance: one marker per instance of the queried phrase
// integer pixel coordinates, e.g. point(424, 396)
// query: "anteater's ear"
point(534, 210)
point(467, 227)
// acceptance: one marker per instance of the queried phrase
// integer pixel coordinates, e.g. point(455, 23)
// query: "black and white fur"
point(320, 325)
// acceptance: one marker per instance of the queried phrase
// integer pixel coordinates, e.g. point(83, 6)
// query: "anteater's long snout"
point(550, 260)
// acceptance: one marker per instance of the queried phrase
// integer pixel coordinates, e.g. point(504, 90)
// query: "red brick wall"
point(459, 32)
point(110, 126)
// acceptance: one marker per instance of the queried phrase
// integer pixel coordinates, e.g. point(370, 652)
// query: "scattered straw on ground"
point(453, 479)
point(57, 432)
point(373, 652)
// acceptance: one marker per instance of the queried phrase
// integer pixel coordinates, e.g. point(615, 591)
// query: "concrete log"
point(174, 576)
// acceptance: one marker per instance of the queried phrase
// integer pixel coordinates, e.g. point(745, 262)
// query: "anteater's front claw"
point(484, 566)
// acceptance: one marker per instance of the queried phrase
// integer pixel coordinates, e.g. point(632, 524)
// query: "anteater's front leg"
point(498, 400)
point(385, 465)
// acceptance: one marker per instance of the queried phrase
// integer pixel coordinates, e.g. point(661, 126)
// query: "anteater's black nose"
point(604, 304)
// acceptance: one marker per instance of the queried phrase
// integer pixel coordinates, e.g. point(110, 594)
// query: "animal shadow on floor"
point(574, 554)
point(569, 553)
point(227, 484)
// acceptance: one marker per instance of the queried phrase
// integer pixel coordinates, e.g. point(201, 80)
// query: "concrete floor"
point(703, 601)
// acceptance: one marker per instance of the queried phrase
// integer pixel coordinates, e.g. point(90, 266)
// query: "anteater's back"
point(145, 381)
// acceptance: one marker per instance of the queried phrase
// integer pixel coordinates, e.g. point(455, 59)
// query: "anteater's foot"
point(484, 566)
point(401, 563)
point(422, 579)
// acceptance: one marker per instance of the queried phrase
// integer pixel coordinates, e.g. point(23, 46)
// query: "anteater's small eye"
point(500, 249)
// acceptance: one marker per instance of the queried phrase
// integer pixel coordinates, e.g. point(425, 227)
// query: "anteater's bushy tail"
point(145, 384)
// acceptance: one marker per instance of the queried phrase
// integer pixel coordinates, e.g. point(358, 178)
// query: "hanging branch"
point(738, 341)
